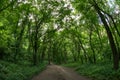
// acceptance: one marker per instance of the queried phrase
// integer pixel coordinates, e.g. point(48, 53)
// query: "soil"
point(55, 72)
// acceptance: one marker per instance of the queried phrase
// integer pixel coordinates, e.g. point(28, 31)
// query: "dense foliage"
point(59, 31)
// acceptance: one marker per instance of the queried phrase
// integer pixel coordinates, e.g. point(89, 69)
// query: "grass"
point(11, 71)
point(99, 71)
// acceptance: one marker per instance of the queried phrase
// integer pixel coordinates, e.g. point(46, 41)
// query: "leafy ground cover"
point(100, 71)
point(11, 71)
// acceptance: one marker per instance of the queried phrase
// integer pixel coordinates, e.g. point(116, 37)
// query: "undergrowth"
point(99, 71)
point(11, 71)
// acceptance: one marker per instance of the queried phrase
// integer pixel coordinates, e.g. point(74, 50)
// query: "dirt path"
point(54, 72)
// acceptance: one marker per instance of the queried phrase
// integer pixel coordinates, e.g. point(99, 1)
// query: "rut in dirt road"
point(54, 72)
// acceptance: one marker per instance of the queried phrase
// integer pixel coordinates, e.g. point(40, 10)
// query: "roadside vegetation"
point(19, 71)
point(99, 71)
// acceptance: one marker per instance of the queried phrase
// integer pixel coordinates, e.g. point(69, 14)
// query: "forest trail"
point(55, 72)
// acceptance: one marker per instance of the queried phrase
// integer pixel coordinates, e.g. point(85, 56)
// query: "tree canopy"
point(60, 31)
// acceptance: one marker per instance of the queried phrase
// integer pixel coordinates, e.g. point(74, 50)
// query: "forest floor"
point(55, 72)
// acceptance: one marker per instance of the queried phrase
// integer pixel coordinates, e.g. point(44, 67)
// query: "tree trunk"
point(110, 37)
point(91, 45)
